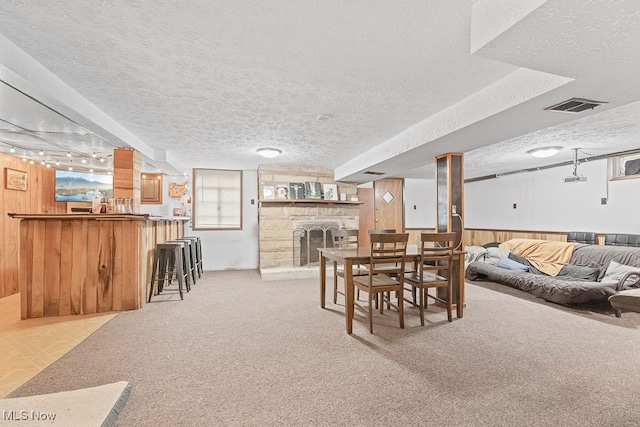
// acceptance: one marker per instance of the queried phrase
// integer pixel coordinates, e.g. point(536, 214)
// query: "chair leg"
point(335, 282)
point(181, 276)
point(401, 309)
point(370, 313)
point(449, 301)
point(618, 312)
point(156, 260)
point(423, 297)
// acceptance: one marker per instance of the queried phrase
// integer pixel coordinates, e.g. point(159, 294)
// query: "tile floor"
point(29, 346)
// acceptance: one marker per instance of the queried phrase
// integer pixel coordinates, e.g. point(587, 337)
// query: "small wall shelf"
point(308, 201)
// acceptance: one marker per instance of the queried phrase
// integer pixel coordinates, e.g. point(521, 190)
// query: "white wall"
point(544, 202)
point(222, 250)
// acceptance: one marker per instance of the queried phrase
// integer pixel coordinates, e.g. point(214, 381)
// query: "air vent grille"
point(373, 173)
point(575, 105)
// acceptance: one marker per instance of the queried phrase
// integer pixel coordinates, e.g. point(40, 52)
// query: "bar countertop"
point(99, 217)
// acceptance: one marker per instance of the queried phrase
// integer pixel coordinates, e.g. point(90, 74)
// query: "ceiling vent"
point(373, 173)
point(575, 105)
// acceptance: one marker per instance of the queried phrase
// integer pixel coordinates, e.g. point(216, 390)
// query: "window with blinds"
point(217, 199)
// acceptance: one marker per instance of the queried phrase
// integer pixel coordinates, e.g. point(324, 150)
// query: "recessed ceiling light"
point(544, 151)
point(269, 152)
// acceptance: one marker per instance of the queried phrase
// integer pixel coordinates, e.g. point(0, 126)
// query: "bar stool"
point(193, 255)
point(167, 258)
point(186, 262)
point(198, 255)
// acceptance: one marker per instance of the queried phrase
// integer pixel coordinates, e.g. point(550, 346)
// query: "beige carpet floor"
point(241, 352)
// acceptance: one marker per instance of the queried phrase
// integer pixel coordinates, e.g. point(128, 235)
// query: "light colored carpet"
point(241, 352)
point(88, 407)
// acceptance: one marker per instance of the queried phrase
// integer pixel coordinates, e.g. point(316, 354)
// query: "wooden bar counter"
point(88, 263)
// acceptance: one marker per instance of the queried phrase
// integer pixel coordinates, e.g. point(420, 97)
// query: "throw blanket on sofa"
point(547, 256)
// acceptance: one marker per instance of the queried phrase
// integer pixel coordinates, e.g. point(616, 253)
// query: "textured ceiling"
point(204, 84)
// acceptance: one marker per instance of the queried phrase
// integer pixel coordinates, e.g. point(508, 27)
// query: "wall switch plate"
point(603, 201)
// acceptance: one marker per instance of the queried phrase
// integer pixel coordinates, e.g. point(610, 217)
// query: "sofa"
point(560, 272)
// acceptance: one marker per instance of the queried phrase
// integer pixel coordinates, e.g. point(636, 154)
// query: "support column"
point(127, 167)
point(450, 199)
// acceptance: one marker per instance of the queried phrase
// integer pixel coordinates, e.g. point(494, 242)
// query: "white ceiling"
point(204, 84)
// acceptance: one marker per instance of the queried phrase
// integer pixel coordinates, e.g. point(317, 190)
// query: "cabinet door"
point(151, 188)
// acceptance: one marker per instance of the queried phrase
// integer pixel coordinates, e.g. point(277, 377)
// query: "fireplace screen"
point(307, 241)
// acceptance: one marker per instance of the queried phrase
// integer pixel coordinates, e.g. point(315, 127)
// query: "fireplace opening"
point(307, 241)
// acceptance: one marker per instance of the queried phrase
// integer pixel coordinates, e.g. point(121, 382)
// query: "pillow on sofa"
point(494, 255)
point(512, 265)
point(615, 271)
point(577, 272)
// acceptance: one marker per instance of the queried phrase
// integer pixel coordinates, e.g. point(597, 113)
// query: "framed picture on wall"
point(330, 191)
point(15, 179)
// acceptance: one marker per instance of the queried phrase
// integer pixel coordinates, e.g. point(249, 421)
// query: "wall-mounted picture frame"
point(15, 179)
point(330, 191)
point(282, 191)
point(268, 192)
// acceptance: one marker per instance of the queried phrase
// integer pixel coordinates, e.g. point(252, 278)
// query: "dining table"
point(349, 257)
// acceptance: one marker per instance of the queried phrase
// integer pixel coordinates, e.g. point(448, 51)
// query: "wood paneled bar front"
point(84, 263)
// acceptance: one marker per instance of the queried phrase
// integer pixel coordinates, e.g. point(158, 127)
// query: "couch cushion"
point(494, 255)
point(577, 272)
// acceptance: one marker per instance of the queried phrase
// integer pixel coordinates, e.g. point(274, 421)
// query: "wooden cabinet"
point(151, 188)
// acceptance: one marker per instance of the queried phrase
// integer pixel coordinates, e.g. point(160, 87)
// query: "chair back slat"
point(388, 252)
point(344, 238)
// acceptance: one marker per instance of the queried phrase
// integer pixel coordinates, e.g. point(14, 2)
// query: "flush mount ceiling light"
point(269, 152)
point(544, 151)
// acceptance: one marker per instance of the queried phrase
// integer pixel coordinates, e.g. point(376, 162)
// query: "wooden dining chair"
point(386, 273)
point(434, 271)
point(344, 238)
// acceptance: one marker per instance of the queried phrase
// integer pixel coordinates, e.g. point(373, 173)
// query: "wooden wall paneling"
point(366, 215)
point(147, 254)
point(89, 297)
point(4, 284)
point(14, 201)
point(37, 275)
point(104, 286)
point(140, 249)
point(66, 267)
point(119, 255)
point(79, 265)
point(51, 285)
point(39, 198)
point(479, 237)
point(130, 294)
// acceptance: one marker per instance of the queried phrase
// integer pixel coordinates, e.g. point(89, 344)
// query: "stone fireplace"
point(291, 231)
